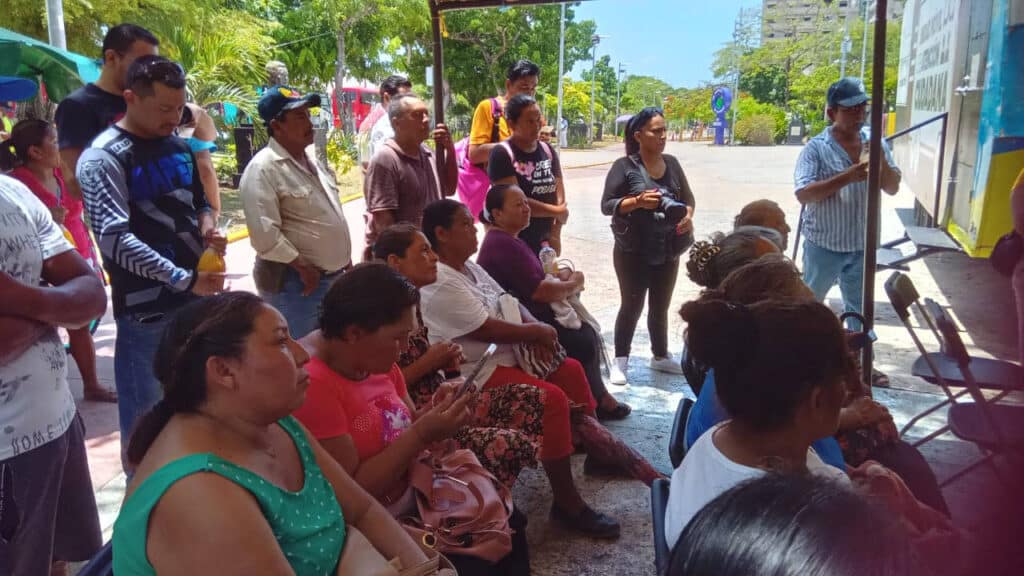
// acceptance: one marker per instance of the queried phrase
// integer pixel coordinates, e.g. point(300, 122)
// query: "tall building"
point(796, 18)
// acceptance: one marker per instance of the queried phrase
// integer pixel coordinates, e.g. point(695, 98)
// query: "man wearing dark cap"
point(831, 182)
point(293, 212)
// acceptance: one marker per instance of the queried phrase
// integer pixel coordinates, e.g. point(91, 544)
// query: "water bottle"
point(548, 259)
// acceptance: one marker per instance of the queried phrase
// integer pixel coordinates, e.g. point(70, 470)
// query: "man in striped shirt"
point(831, 183)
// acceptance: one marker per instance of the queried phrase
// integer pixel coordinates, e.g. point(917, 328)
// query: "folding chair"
point(941, 368)
point(946, 368)
point(659, 501)
point(677, 441)
point(993, 428)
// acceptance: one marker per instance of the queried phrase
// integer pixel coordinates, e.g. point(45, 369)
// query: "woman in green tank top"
point(226, 482)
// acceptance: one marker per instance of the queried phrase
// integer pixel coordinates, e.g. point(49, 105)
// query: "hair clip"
point(702, 253)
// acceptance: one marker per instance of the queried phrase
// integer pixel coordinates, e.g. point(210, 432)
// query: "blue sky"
point(670, 39)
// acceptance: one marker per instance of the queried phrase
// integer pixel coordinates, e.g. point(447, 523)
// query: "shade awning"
point(60, 70)
point(442, 5)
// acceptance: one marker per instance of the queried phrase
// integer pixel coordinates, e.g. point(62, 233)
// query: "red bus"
point(357, 101)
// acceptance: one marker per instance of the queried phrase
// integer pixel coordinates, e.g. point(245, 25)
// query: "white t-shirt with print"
point(456, 305)
point(381, 132)
point(36, 405)
point(705, 473)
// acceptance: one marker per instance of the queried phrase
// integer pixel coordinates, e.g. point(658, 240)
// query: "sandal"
point(879, 379)
point(101, 395)
point(620, 412)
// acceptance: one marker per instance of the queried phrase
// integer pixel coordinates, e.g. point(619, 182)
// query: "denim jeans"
point(823, 267)
point(301, 312)
point(138, 336)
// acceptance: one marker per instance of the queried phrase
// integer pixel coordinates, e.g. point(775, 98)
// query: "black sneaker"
point(588, 522)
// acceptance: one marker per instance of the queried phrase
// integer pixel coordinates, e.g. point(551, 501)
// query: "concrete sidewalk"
point(723, 180)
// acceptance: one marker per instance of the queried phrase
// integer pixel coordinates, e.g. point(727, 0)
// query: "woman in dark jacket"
point(651, 205)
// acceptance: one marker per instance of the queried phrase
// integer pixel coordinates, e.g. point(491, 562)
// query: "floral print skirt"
point(507, 430)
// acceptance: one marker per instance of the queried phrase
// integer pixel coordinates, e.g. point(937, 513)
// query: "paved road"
point(723, 180)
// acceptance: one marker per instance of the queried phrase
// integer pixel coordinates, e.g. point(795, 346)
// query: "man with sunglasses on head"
point(831, 183)
point(292, 209)
point(152, 221)
point(94, 107)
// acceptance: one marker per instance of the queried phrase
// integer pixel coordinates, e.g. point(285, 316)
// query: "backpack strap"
point(496, 113)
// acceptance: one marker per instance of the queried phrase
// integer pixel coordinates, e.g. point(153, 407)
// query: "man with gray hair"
point(402, 177)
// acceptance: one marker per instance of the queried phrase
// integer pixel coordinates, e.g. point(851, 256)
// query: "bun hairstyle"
point(25, 134)
point(772, 276)
point(792, 525)
point(516, 105)
point(710, 262)
point(368, 296)
point(439, 213)
point(211, 326)
point(636, 124)
point(767, 356)
point(495, 201)
point(395, 239)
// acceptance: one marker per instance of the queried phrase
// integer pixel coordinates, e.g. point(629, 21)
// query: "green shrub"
point(342, 152)
point(758, 130)
point(225, 163)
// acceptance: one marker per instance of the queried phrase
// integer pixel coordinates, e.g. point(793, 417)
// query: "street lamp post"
point(594, 41)
point(618, 88)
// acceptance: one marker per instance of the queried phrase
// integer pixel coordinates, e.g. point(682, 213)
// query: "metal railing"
point(944, 118)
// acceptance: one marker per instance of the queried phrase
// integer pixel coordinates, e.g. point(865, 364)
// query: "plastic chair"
point(659, 501)
point(677, 440)
point(102, 564)
point(692, 371)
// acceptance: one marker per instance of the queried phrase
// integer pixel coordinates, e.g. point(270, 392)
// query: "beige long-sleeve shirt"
point(292, 211)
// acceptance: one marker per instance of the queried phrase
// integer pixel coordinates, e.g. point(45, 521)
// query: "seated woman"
point(750, 529)
point(779, 368)
point(510, 261)
point(357, 405)
point(460, 307)
point(866, 430)
point(225, 480)
point(507, 428)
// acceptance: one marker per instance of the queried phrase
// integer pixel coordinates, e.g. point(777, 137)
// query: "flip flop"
point(101, 395)
point(620, 412)
point(879, 379)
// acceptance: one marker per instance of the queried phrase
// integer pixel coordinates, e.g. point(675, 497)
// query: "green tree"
point(482, 44)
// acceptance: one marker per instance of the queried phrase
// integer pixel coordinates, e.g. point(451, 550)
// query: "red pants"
point(568, 383)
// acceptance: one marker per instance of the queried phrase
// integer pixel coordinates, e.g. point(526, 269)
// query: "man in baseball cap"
point(279, 99)
point(293, 212)
point(831, 182)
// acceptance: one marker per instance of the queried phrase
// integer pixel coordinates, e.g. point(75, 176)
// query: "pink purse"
point(463, 509)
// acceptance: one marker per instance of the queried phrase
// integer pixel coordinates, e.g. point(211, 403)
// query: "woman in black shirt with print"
point(651, 205)
point(523, 160)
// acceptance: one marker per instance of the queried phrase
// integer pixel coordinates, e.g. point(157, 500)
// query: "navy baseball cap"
point(278, 99)
point(847, 92)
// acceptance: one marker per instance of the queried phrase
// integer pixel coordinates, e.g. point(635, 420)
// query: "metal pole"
point(55, 23)
point(618, 89)
point(864, 41)
point(595, 39)
point(874, 182)
point(844, 44)
point(736, 86)
point(561, 74)
point(435, 20)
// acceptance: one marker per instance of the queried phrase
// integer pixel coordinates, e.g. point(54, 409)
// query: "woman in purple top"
point(514, 265)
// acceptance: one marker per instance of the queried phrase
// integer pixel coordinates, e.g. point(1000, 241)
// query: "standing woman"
point(1017, 206)
point(32, 156)
point(524, 161)
point(642, 194)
